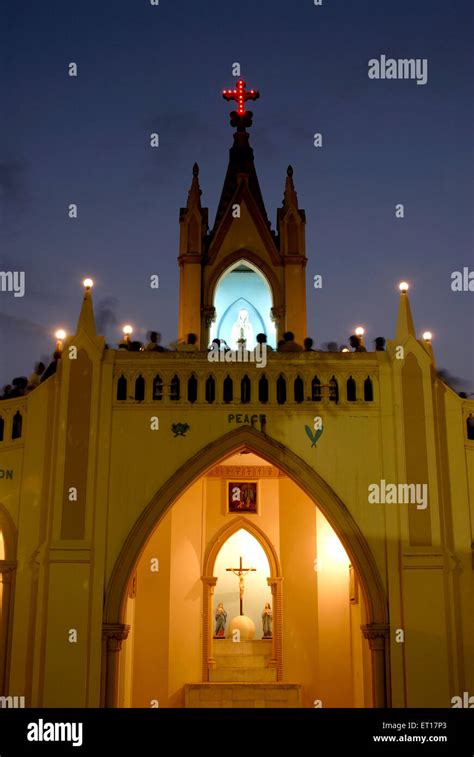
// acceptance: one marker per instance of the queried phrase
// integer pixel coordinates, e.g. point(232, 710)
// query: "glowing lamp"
point(88, 283)
point(60, 335)
point(403, 287)
point(345, 349)
point(127, 330)
point(359, 331)
point(427, 336)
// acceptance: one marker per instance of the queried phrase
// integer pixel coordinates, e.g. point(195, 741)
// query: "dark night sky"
point(145, 69)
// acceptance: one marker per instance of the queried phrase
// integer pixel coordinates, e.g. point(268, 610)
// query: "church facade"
point(131, 483)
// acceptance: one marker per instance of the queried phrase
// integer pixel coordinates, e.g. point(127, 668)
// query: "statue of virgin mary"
point(242, 333)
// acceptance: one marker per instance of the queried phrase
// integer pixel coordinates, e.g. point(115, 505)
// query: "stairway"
point(242, 678)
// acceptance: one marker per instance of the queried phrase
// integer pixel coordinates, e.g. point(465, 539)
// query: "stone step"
point(256, 647)
point(242, 674)
point(241, 661)
point(240, 695)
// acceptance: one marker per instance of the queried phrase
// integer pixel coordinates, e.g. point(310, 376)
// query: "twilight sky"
point(144, 69)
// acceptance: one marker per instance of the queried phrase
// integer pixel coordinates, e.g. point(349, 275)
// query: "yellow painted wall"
point(336, 676)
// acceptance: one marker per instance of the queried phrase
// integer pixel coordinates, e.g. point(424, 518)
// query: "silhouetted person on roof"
point(51, 369)
point(355, 343)
point(308, 344)
point(190, 345)
point(35, 378)
point(289, 344)
point(379, 344)
point(262, 339)
point(154, 343)
point(19, 386)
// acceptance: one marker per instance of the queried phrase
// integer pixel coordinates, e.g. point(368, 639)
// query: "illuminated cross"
point(241, 117)
point(240, 95)
point(241, 572)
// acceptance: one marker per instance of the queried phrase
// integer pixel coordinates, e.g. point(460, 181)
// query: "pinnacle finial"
point(289, 171)
point(195, 170)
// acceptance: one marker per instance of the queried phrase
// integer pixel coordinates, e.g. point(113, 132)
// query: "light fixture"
point(60, 335)
point(427, 336)
point(403, 287)
point(345, 349)
point(88, 283)
point(127, 330)
point(359, 331)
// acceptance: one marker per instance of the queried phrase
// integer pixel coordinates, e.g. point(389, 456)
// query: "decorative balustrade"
point(287, 379)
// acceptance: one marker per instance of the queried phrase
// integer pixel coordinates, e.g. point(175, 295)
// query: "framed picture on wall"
point(242, 497)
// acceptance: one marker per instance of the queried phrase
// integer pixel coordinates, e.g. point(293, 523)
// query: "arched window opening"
point(140, 389)
point(175, 389)
point(298, 389)
point(157, 388)
point(192, 388)
point(17, 424)
point(263, 389)
point(210, 390)
point(333, 390)
point(470, 427)
point(281, 390)
point(2, 428)
point(228, 389)
point(351, 390)
point(316, 389)
point(122, 388)
point(245, 389)
point(368, 390)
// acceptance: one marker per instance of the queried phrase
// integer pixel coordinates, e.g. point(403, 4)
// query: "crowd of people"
point(21, 385)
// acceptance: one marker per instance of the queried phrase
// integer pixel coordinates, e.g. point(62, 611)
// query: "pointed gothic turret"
point(86, 322)
point(405, 325)
point(291, 223)
point(193, 222)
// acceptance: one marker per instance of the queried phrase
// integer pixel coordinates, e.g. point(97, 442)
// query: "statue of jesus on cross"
point(241, 572)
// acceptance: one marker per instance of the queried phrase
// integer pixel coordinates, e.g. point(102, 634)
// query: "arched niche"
point(243, 301)
point(209, 581)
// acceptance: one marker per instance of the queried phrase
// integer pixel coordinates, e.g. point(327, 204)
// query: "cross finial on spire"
point(241, 117)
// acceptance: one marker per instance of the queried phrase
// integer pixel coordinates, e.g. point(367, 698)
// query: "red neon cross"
point(240, 95)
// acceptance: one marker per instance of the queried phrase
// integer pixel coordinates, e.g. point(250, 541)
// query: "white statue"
point(242, 332)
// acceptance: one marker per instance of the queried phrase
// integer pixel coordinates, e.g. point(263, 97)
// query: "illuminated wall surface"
point(115, 520)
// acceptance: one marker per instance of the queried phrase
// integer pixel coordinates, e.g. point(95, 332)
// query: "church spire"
point(405, 325)
point(194, 194)
point(86, 322)
point(290, 198)
point(291, 220)
point(241, 166)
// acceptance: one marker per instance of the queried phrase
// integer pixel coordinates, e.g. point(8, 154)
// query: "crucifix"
point(241, 572)
point(241, 117)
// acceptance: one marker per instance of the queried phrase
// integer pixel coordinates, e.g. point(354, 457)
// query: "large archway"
point(7, 585)
point(344, 525)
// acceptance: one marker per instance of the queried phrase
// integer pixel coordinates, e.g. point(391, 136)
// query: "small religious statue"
point(242, 333)
point(221, 619)
point(267, 617)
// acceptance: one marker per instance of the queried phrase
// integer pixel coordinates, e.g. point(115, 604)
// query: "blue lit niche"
point(243, 303)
